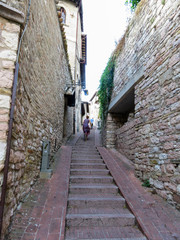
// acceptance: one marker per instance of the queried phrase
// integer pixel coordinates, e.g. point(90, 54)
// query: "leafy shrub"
point(105, 87)
point(146, 183)
point(133, 3)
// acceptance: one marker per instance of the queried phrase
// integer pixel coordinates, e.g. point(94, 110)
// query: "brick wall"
point(40, 108)
point(151, 43)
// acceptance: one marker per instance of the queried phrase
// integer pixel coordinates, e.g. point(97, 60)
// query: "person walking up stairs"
point(96, 209)
point(93, 194)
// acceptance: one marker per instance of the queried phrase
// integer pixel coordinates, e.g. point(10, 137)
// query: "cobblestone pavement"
point(42, 214)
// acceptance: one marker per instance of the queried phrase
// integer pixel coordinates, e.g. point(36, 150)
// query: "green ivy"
point(105, 87)
point(133, 3)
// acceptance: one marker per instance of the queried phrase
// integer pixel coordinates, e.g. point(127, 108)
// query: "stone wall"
point(72, 28)
point(151, 43)
point(94, 109)
point(125, 138)
point(19, 5)
point(40, 107)
point(9, 33)
point(109, 129)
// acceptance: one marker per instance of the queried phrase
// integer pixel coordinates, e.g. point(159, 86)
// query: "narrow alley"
point(93, 194)
point(118, 71)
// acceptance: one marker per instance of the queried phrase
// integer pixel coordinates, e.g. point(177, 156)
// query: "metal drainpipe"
point(76, 39)
point(9, 137)
point(75, 58)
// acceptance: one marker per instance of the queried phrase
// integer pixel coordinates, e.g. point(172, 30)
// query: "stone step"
point(87, 161)
point(95, 209)
point(81, 150)
point(84, 148)
point(102, 233)
point(99, 210)
point(91, 179)
point(87, 172)
point(83, 153)
point(88, 166)
point(95, 188)
point(96, 201)
point(86, 157)
point(100, 219)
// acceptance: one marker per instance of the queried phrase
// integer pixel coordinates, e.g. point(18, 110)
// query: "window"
point(63, 15)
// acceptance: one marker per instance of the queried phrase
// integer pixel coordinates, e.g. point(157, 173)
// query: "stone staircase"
point(96, 209)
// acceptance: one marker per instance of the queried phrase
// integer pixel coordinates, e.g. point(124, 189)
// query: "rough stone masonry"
point(149, 65)
point(40, 103)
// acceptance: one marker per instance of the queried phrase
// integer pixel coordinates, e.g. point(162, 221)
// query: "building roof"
point(94, 95)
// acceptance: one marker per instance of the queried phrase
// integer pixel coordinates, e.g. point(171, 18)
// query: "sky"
point(105, 22)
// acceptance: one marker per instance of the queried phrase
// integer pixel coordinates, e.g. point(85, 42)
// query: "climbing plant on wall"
point(106, 81)
point(133, 3)
point(105, 87)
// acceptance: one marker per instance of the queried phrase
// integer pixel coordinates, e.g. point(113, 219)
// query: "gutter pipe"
point(76, 47)
point(9, 137)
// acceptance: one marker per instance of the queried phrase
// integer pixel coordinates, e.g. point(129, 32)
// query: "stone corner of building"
point(11, 13)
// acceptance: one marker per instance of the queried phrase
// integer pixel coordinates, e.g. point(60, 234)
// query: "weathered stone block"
point(10, 39)
point(12, 27)
point(158, 184)
point(170, 186)
point(8, 64)
point(3, 151)
point(163, 156)
point(178, 127)
point(3, 135)
point(176, 198)
point(170, 168)
point(1, 167)
point(166, 76)
point(178, 189)
point(8, 55)
point(169, 145)
point(174, 59)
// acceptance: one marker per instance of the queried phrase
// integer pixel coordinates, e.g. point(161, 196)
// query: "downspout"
point(76, 39)
point(76, 46)
point(9, 137)
point(75, 60)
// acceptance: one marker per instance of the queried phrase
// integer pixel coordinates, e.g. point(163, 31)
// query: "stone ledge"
point(125, 98)
point(11, 13)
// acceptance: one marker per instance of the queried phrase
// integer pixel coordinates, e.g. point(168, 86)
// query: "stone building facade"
point(144, 113)
point(94, 109)
point(41, 109)
point(72, 18)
